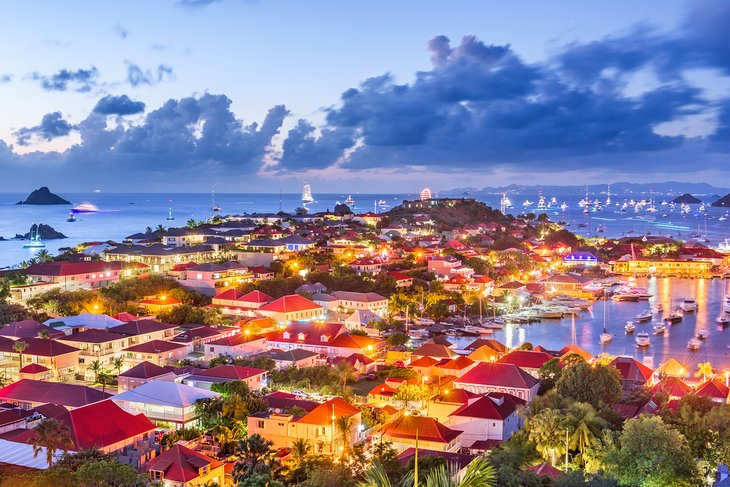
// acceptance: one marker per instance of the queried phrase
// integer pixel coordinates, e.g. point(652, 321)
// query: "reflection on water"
point(586, 328)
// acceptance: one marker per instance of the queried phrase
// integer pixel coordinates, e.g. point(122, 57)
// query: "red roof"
point(229, 295)
point(144, 370)
point(545, 470)
point(233, 372)
point(528, 359)
point(499, 374)
point(26, 329)
point(457, 396)
point(63, 268)
point(458, 363)
point(104, 423)
point(33, 369)
point(140, 327)
point(492, 406)
point(399, 276)
point(125, 317)
point(38, 391)
point(631, 369)
point(40, 347)
point(233, 340)
point(323, 413)
point(423, 361)
point(714, 389)
point(673, 386)
point(256, 296)
point(290, 304)
point(155, 346)
point(427, 429)
point(181, 464)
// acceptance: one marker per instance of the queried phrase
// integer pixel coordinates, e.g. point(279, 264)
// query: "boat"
point(694, 344)
point(673, 318)
point(349, 201)
point(541, 203)
point(307, 194)
point(630, 327)
point(213, 205)
point(605, 336)
point(34, 240)
point(689, 305)
point(169, 215)
point(642, 339)
point(659, 329)
point(527, 203)
point(703, 334)
point(659, 307)
point(723, 320)
point(71, 217)
point(84, 208)
point(644, 316)
point(564, 206)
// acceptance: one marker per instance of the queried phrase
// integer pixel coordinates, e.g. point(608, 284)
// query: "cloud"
point(118, 105)
point(137, 76)
point(196, 3)
point(121, 31)
point(5, 78)
point(184, 139)
point(302, 149)
point(52, 126)
point(81, 80)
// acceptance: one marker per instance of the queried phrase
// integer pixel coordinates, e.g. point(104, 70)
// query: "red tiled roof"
point(323, 413)
point(255, 296)
point(423, 361)
point(104, 423)
point(232, 372)
point(144, 370)
point(456, 396)
point(181, 464)
point(545, 470)
point(434, 350)
point(458, 363)
point(140, 327)
point(229, 295)
point(383, 390)
point(290, 304)
point(63, 268)
point(631, 369)
point(68, 395)
point(529, 359)
point(499, 374)
point(233, 340)
point(673, 386)
point(574, 349)
point(399, 276)
point(26, 329)
point(714, 388)
point(40, 347)
point(489, 407)
point(93, 335)
point(124, 316)
point(428, 429)
point(33, 369)
point(155, 346)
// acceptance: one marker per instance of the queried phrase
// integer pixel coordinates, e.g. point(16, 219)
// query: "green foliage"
point(257, 458)
point(426, 464)
point(259, 362)
point(549, 374)
point(412, 392)
point(231, 387)
point(109, 473)
point(317, 377)
point(51, 435)
point(397, 339)
point(74, 461)
point(592, 384)
point(186, 313)
point(276, 288)
point(396, 372)
point(652, 454)
point(182, 434)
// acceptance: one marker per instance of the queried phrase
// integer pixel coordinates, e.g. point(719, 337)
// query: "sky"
point(362, 95)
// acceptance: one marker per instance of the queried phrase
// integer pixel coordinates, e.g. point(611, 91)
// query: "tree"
point(74, 461)
point(184, 434)
point(20, 346)
point(397, 339)
point(586, 427)
point(344, 425)
point(549, 374)
point(345, 372)
point(109, 473)
point(97, 368)
point(190, 223)
point(704, 369)
point(257, 458)
point(411, 393)
point(547, 430)
point(594, 384)
point(300, 448)
point(479, 473)
point(652, 454)
point(44, 335)
point(103, 378)
point(52, 435)
point(118, 363)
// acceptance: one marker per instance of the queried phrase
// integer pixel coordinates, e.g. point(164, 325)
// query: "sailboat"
point(71, 217)
point(307, 194)
point(608, 195)
point(213, 205)
point(169, 215)
point(605, 336)
point(34, 239)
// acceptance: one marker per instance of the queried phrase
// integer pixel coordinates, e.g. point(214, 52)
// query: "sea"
point(122, 214)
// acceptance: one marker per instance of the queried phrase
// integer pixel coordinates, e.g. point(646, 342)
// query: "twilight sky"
point(361, 95)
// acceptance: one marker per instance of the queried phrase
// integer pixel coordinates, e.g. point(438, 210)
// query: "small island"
point(45, 232)
point(43, 196)
point(723, 202)
point(686, 199)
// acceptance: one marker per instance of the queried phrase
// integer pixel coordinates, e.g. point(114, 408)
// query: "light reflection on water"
point(555, 334)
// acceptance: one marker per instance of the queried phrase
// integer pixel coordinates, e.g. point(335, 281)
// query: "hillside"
point(686, 199)
point(723, 202)
point(461, 212)
point(43, 196)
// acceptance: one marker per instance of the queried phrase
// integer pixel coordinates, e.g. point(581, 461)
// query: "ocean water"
point(125, 213)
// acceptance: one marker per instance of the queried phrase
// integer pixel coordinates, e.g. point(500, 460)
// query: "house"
point(159, 257)
point(159, 304)
point(433, 350)
point(361, 364)
point(182, 237)
point(448, 266)
point(72, 276)
point(318, 426)
point(35, 372)
point(328, 339)
point(27, 329)
point(457, 366)
point(279, 401)
point(198, 336)
point(291, 308)
point(209, 277)
point(353, 301)
point(103, 425)
point(295, 243)
point(296, 357)
point(182, 467)
point(580, 258)
point(674, 387)
point(493, 416)
point(164, 403)
point(364, 320)
point(81, 322)
point(634, 375)
point(31, 393)
point(143, 373)
point(234, 302)
point(61, 359)
point(366, 265)
point(714, 389)
point(254, 378)
point(499, 377)
point(567, 283)
point(238, 345)
point(401, 280)
point(93, 345)
point(141, 331)
point(158, 352)
point(410, 431)
point(528, 360)
point(545, 470)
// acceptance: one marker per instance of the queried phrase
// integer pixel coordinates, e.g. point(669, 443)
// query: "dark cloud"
point(52, 126)
point(137, 76)
point(118, 105)
point(121, 31)
point(81, 80)
point(303, 150)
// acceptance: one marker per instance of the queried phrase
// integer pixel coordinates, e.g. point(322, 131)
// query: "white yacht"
point(630, 327)
point(689, 305)
point(659, 329)
point(643, 339)
point(644, 316)
point(527, 203)
point(694, 344)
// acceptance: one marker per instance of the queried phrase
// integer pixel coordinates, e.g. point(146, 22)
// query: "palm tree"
point(344, 425)
point(97, 368)
point(103, 378)
point(257, 458)
point(190, 223)
point(19, 347)
point(705, 369)
point(160, 228)
point(118, 363)
point(300, 448)
point(148, 230)
point(44, 334)
point(586, 427)
point(547, 430)
point(479, 473)
point(51, 435)
point(345, 372)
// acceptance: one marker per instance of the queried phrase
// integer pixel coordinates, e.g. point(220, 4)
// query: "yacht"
point(606, 337)
point(645, 316)
point(689, 305)
point(723, 320)
point(694, 344)
point(643, 339)
point(541, 203)
point(213, 205)
point(169, 215)
point(723, 217)
point(349, 201)
point(71, 217)
point(703, 334)
point(307, 194)
point(659, 307)
point(630, 327)
point(659, 329)
point(527, 203)
point(564, 206)
point(673, 318)
point(726, 304)
point(34, 239)
point(85, 208)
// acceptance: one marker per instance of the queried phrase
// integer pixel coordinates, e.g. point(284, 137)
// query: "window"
point(156, 474)
point(260, 423)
